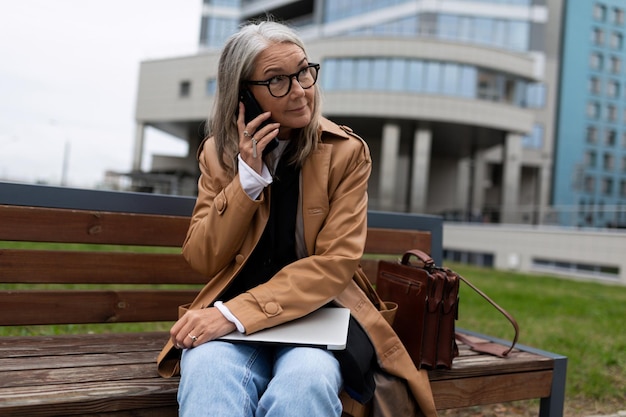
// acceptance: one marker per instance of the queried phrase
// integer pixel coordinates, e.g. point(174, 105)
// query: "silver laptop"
point(325, 328)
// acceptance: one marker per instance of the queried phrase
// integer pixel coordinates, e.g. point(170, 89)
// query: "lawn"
point(580, 320)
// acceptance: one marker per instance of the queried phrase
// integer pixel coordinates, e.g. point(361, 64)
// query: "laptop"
point(325, 328)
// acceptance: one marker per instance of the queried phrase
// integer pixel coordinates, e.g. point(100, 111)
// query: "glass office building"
point(590, 156)
point(456, 98)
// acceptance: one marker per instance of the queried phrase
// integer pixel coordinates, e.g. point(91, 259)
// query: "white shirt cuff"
point(229, 316)
point(251, 182)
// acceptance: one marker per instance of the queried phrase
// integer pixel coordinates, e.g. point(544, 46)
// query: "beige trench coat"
point(226, 225)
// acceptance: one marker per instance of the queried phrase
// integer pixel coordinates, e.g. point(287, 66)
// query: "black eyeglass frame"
point(291, 77)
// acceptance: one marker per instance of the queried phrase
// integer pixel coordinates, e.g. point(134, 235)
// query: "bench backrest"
point(136, 280)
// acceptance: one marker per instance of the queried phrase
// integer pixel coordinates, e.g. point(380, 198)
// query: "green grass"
point(581, 320)
point(86, 247)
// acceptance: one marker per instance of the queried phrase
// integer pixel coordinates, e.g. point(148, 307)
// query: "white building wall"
point(518, 247)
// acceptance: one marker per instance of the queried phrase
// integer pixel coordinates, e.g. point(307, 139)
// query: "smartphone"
point(253, 109)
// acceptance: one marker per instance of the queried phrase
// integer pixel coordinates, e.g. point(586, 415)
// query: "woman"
point(280, 232)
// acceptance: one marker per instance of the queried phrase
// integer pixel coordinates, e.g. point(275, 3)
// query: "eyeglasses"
point(280, 85)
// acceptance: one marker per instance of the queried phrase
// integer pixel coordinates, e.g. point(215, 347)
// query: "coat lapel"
point(315, 172)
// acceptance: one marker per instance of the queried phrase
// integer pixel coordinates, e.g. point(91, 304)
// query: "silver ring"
point(194, 338)
point(246, 134)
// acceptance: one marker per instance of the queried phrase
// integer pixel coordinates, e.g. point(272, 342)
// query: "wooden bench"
point(114, 374)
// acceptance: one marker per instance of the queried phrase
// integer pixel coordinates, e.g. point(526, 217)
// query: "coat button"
point(220, 204)
point(271, 308)
point(239, 259)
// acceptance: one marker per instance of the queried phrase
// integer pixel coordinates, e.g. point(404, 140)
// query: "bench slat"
point(67, 267)
point(80, 307)
point(394, 242)
point(34, 224)
point(490, 389)
point(147, 397)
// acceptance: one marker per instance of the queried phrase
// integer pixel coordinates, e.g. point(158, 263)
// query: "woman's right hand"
point(248, 134)
point(196, 327)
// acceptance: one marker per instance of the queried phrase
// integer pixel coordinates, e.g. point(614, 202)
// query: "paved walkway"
point(619, 414)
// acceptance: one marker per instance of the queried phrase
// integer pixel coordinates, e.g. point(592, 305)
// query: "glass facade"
point(341, 9)
point(429, 77)
point(215, 30)
point(498, 33)
point(506, 34)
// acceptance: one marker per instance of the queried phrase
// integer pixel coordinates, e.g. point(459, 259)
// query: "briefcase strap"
point(491, 348)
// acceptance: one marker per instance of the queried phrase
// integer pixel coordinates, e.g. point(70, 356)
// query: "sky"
point(68, 83)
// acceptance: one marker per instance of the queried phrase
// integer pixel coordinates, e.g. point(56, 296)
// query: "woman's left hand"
point(199, 326)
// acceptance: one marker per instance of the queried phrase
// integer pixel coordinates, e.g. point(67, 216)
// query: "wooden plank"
point(477, 365)
point(80, 307)
point(79, 344)
point(396, 242)
point(78, 374)
point(66, 267)
point(77, 226)
point(490, 389)
point(89, 398)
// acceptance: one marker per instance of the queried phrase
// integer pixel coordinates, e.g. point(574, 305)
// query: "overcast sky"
point(68, 80)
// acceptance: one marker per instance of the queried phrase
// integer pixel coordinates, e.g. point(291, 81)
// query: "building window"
point(623, 164)
point(610, 138)
point(611, 114)
point(416, 76)
point(618, 16)
point(432, 77)
point(607, 162)
point(622, 188)
point(536, 95)
point(211, 87)
point(597, 36)
point(593, 110)
point(617, 39)
point(607, 186)
point(596, 61)
point(616, 65)
point(590, 184)
point(215, 30)
point(592, 134)
point(599, 12)
point(612, 89)
point(590, 159)
point(594, 85)
point(487, 86)
point(184, 88)
point(535, 139)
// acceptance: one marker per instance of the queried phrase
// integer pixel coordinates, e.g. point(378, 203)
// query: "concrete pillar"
point(389, 162)
point(545, 173)
point(422, 143)
point(462, 201)
point(139, 142)
point(511, 182)
point(479, 181)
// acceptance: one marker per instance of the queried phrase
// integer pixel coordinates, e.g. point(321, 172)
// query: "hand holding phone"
point(252, 110)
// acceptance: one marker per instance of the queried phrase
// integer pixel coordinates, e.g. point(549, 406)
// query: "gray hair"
point(236, 64)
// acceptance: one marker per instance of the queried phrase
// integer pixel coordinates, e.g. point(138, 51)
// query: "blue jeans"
point(223, 379)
